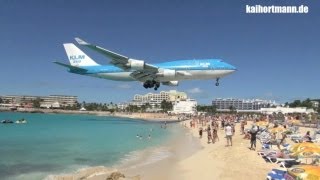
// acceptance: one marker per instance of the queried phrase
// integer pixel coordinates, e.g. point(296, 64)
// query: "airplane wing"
point(118, 60)
point(141, 71)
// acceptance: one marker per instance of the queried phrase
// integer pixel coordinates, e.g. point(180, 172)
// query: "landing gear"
point(217, 82)
point(151, 84)
point(156, 86)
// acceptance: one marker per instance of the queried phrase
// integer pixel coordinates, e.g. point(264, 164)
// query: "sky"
point(277, 55)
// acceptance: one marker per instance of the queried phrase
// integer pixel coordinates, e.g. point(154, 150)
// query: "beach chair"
point(265, 152)
point(316, 137)
point(279, 171)
point(288, 163)
point(296, 137)
point(276, 174)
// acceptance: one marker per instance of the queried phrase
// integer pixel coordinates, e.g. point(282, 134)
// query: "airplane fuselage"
point(184, 70)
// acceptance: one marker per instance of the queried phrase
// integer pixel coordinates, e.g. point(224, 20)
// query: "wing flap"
point(103, 51)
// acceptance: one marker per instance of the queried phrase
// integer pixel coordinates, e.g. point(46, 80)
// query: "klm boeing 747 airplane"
point(123, 68)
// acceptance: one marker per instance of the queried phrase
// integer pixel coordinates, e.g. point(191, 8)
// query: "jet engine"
point(171, 83)
point(136, 64)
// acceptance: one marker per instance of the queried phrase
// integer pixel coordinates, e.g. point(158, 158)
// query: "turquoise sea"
point(62, 143)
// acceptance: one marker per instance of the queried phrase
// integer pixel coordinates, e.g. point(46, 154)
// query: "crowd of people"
point(210, 125)
point(226, 122)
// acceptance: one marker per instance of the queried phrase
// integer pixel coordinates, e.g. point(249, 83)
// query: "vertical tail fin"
point(77, 57)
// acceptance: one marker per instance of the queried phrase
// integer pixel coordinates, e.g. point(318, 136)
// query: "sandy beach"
point(215, 161)
point(193, 158)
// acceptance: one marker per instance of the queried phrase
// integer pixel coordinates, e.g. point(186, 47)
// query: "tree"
point(36, 102)
point(232, 109)
point(295, 103)
point(208, 109)
point(166, 106)
point(306, 103)
point(1, 101)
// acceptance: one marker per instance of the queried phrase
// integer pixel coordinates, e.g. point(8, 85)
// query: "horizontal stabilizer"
point(72, 68)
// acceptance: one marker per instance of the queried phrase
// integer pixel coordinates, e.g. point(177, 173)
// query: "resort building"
point(52, 101)
point(58, 101)
point(287, 110)
point(188, 106)
point(241, 104)
point(155, 100)
point(315, 104)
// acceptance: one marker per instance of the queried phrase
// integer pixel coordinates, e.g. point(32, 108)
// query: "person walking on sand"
point(214, 135)
point(209, 134)
point(253, 132)
point(242, 127)
point(228, 132)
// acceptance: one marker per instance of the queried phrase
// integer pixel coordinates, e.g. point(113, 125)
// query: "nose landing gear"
point(217, 81)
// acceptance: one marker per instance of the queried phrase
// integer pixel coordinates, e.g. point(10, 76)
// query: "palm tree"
point(232, 109)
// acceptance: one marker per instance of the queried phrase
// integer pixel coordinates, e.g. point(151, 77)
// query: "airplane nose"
point(230, 67)
point(234, 68)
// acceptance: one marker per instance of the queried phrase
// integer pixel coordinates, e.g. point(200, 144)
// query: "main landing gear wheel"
point(217, 82)
point(151, 84)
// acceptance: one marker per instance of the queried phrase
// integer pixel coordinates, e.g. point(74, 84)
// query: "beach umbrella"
point(277, 129)
point(304, 172)
point(307, 152)
point(294, 121)
point(262, 123)
point(300, 146)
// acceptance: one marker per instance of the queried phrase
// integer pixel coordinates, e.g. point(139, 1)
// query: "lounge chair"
point(276, 174)
point(288, 163)
point(265, 152)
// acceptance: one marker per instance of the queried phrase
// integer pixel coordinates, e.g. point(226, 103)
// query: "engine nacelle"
point(171, 83)
point(136, 64)
point(167, 73)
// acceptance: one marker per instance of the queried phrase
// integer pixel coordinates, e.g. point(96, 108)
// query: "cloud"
point(124, 86)
point(195, 91)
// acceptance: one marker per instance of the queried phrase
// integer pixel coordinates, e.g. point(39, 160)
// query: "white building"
point(54, 101)
point(286, 110)
point(155, 99)
point(315, 104)
point(241, 104)
point(122, 106)
point(188, 106)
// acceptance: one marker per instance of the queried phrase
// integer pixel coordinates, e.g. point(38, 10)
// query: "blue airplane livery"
point(123, 68)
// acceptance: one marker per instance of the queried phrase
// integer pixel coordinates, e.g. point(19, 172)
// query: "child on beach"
point(200, 132)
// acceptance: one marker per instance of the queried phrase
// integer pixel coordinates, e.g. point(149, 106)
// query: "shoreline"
point(144, 164)
point(150, 117)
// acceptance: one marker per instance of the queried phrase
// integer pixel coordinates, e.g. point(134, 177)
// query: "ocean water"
point(62, 143)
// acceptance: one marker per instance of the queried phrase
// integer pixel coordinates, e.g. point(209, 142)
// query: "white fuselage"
point(189, 75)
